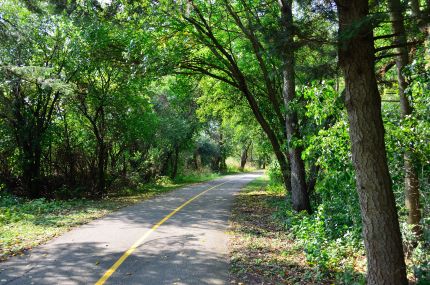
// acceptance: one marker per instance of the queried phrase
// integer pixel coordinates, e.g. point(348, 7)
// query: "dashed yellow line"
point(126, 254)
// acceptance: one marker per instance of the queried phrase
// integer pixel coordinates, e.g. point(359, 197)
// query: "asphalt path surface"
point(190, 247)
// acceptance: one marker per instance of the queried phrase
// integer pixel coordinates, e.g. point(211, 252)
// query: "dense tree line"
point(85, 105)
point(334, 94)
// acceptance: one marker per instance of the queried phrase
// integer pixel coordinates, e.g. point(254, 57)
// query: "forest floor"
point(25, 224)
point(261, 250)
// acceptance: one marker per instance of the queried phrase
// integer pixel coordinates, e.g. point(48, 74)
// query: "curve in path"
point(189, 247)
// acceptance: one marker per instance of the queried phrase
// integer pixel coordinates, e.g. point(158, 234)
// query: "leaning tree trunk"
point(381, 231)
point(412, 191)
point(299, 194)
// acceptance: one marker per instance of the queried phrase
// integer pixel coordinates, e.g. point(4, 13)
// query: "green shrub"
point(274, 172)
point(163, 180)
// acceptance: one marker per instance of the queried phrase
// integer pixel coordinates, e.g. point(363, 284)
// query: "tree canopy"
point(332, 96)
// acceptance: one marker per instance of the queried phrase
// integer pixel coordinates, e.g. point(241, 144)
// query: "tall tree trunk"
point(412, 191)
point(27, 137)
point(30, 144)
point(222, 166)
point(299, 194)
point(244, 156)
point(175, 163)
point(196, 159)
point(124, 166)
point(101, 161)
point(165, 164)
point(70, 158)
point(31, 170)
point(381, 231)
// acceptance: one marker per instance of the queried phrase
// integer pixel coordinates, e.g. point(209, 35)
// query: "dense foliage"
point(99, 96)
point(87, 108)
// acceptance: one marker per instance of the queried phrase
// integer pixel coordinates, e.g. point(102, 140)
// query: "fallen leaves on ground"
point(261, 252)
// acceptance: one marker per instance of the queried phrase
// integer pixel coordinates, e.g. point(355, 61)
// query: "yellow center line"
point(126, 254)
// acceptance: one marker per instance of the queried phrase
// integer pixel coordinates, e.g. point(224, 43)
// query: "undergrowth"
point(330, 239)
point(272, 245)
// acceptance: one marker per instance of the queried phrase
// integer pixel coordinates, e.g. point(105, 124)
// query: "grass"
point(262, 251)
point(28, 223)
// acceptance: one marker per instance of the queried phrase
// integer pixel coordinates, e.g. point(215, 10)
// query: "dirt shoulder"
point(261, 251)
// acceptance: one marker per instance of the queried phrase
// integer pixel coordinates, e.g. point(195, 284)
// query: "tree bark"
point(70, 158)
point(244, 156)
point(299, 194)
point(196, 159)
point(101, 150)
point(422, 17)
point(124, 166)
point(222, 166)
point(175, 163)
point(28, 135)
point(101, 177)
point(412, 191)
point(381, 231)
point(32, 153)
point(313, 177)
point(165, 164)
